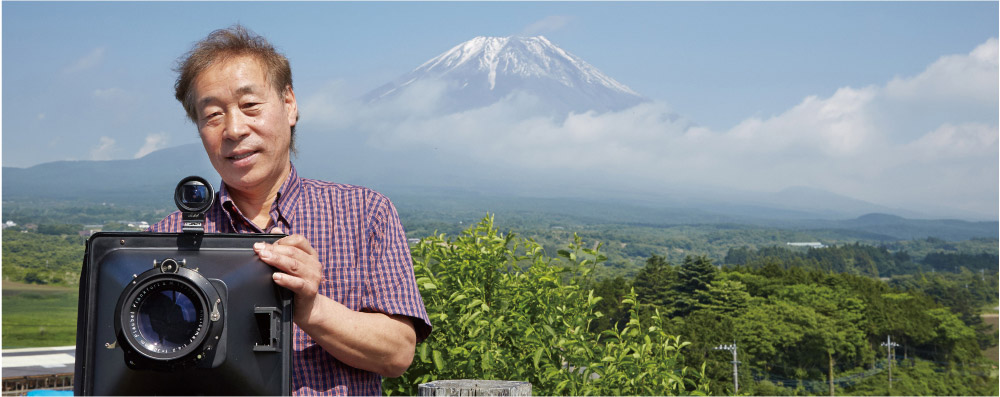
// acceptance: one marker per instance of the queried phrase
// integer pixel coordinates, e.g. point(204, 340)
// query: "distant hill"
point(906, 229)
point(149, 179)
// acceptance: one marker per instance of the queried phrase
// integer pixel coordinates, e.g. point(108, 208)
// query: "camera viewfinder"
point(194, 196)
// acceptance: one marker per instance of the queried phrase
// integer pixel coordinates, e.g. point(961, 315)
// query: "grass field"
point(38, 315)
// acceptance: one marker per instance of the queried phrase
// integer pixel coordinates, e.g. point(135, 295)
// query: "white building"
point(810, 245)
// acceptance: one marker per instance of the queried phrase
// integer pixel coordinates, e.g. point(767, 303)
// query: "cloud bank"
point(153, 143)
point(104, 150)
point(927, 142)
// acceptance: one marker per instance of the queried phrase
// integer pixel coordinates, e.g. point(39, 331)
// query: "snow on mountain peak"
point(524, 56)
point(492, 67)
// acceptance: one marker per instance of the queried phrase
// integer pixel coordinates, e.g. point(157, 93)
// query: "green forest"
point(802, 323)
point(605, 309)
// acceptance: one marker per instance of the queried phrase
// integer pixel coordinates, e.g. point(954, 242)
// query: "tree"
point(654, 282)
point(728, 297)
point(695, 275)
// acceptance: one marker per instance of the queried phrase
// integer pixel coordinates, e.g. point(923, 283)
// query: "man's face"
point(245, 125)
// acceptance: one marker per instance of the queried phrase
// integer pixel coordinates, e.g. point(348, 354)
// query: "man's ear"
point(291, 106)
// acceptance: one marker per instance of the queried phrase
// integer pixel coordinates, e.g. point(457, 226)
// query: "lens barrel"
point(170, 317)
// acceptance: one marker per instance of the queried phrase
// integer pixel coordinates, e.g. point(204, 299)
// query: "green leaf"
point(538, 356)
point(549, 330)
point(425, 352)
point(487, 362)
point(438, 360)
point(474, 303)
point(561, 386)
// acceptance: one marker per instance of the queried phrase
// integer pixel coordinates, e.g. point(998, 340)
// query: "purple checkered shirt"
point(366, 260)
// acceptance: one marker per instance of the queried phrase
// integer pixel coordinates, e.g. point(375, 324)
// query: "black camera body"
point(181, 313)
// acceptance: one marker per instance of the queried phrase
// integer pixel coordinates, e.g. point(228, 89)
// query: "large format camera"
point(181, 313)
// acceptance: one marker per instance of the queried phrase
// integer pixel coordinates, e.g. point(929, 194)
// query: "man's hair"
point(223, 45)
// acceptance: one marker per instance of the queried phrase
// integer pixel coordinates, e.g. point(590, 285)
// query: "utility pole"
point(736, 371)
point(889, 344)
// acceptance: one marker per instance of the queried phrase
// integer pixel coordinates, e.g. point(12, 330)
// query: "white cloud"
point(104, 149)
point(837, 126)
point(968, 79)
point(110, 93)
point(548, 24)
point(90, 60)
point(913, 142)
point(964, 141)
point(153, 143)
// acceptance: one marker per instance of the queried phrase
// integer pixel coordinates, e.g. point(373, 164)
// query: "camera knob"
point(169, 266)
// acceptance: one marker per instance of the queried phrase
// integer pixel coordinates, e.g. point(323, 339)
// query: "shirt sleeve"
point(391, 287)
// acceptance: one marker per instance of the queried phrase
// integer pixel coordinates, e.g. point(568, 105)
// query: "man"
point(357, 311)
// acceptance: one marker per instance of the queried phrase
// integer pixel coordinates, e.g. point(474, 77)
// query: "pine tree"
point(694, 275)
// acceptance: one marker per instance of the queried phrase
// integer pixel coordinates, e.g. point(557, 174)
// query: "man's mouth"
point(241, 156)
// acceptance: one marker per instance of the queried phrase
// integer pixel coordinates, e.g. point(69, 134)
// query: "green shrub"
point(503, 310)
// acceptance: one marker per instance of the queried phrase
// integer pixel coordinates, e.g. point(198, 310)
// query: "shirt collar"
point(282, 211)
point(288, 196)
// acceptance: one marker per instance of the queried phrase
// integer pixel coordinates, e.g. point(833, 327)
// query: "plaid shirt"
point(368, 268)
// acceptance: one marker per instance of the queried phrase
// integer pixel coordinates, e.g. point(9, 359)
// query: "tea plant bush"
point(503, 310)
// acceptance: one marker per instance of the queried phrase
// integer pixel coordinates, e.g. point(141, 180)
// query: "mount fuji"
point(485, 70)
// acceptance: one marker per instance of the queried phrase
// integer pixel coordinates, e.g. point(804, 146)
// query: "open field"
point(38, 315)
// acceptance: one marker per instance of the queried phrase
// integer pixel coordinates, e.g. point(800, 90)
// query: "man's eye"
point(212, 116)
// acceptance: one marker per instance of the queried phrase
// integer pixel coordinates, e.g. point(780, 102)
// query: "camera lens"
point(165, 317)
point(168, 319)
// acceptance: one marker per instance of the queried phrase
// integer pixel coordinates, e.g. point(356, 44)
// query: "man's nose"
point(237, 125)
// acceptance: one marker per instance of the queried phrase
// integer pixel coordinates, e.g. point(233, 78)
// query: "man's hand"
point(370, 341)
point(299, 271)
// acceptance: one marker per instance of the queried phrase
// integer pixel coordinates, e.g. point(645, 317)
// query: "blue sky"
point(91, 81)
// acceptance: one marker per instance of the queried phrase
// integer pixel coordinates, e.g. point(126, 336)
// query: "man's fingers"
point(295, 259)
point(298, 241)
point(297, 285)
point(284, 258)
